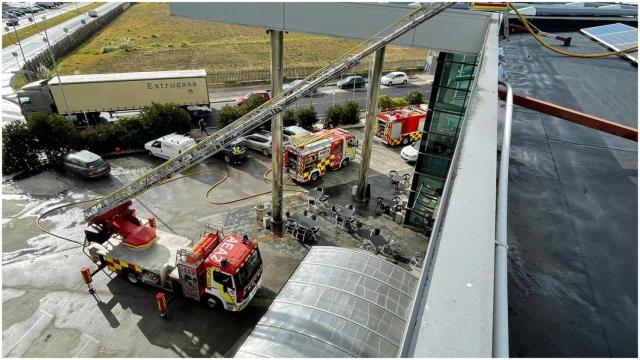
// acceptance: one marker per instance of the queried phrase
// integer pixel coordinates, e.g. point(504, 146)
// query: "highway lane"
point(31, 47)
point(50, 13)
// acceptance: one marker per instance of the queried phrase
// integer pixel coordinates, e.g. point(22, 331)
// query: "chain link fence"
point(293, 73)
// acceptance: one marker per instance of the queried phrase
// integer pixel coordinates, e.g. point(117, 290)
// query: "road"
point(31, 47)
point(49, 13)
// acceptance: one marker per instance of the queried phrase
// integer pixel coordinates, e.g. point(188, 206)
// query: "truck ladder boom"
point(217, 141)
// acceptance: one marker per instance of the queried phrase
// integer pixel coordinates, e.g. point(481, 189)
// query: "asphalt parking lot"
point(47, 311)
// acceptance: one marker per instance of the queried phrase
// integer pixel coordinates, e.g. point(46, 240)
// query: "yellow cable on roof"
point(563, 52)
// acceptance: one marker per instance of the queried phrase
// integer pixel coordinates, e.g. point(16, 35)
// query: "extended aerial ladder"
point(217, 141)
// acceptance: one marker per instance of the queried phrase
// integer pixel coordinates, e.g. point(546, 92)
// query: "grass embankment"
point(154, 40)
point(10, 38)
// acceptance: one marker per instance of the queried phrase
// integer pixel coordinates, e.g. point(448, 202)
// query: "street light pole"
point(46, 39)
point(24, 59)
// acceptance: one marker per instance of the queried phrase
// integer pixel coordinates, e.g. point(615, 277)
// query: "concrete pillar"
point(276, 127)
point(372, 111)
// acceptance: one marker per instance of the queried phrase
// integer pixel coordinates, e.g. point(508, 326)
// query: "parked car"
point(48, 5)
point(295, 83)
point(169, 146)
point(86, 164)
point(266, 94)
point(92, 13)
point(395, 78)
point(235, 152)
point(409, 153)
point(290, 131)
point(198, 113)
point(12, 22)
point(260, 141)
point(351, 82)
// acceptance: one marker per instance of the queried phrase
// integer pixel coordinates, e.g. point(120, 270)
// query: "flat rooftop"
point(572, 206)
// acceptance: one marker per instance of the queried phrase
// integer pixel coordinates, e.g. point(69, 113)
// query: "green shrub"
point(385, 102)
point(19, 148)
point(414, 97)
point(102, 139)
point(289, 118)
point(350, 113)
point(251, 104)
point(307, 117)
point(55, 135)
point(333, 115)
point(133, 134)
point(163, 119)
point(227, 115)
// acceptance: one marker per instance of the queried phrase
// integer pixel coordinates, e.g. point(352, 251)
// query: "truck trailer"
point(85, 96)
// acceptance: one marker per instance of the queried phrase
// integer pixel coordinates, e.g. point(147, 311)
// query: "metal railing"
point(216, 142)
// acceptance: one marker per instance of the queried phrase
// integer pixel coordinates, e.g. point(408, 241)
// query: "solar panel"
point(615, 36)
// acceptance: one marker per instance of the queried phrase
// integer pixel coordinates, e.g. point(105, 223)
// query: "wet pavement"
point(48, 312)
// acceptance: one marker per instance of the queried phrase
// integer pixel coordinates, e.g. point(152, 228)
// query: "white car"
point(169, 146)
point(260, 141)
point(395, 78)
point(410, 152)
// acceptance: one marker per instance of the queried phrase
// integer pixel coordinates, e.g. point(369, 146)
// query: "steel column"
point(372, 111)
point(276, 127)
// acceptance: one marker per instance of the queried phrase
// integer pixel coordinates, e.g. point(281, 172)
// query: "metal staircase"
point(216, 142)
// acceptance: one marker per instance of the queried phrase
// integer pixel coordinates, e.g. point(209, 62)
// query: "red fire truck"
point(309, 155)
point(221, 271)
point(402, 125)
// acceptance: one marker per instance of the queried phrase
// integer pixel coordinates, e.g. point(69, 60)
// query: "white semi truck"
point(85, 96)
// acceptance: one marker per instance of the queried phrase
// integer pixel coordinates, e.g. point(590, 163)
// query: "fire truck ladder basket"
point(216, 141)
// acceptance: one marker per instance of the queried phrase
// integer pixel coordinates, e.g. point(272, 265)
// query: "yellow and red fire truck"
point(310, 155)
point(402, 125)
point(220, 271)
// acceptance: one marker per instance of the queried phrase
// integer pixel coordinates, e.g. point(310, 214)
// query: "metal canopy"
point(338, 303)
point(460, 31)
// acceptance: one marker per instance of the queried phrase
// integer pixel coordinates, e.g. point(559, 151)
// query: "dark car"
point(351, 82)
point(12, 22)
point(86, 164)
point(235, 152)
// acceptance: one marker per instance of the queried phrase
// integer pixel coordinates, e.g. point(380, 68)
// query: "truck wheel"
point(344, 163)
point(213, 302)
point(405, 140)
point(132, 278)
point(404, 83)
point(227, 159)
point(314, 176)
point(265, 152)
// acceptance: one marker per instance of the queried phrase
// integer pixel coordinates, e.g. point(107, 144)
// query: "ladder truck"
point(116, 233)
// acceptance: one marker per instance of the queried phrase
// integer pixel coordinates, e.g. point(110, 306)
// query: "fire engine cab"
point(222, 271)
point(310, 155)
point(401, 125)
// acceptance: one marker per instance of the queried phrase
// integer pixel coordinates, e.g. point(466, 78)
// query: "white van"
point(169, 146)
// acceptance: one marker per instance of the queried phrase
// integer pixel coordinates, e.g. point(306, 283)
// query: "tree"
point(227, 115)
point(414, 97)
point(19, 148)
point(307, 117)
point(163, 119)
point(289, 118)
point(252, 103)
point(350, 113)
point(55, 135)
point(333, 116)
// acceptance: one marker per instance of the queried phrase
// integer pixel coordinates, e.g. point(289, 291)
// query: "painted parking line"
point(18, 348)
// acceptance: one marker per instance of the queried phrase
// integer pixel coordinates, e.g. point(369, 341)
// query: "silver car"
point(260, 141)
point(86, 164)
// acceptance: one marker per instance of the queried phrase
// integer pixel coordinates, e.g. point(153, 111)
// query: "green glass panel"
point(426, 180)
point(432, 165)
point(441, 145)
point(444, 123)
